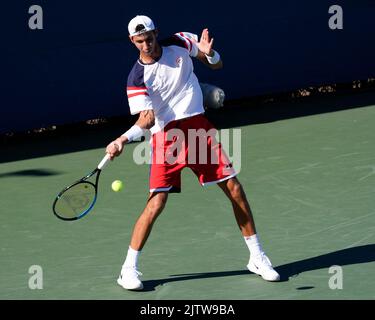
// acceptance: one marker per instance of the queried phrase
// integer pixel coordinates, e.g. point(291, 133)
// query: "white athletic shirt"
point(169, 85)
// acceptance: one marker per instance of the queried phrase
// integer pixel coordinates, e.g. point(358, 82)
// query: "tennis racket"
point(76, 200)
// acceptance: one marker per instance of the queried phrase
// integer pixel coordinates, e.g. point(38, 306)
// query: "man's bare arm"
point(145, 121)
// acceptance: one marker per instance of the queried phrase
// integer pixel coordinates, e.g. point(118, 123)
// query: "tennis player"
point(163, 89)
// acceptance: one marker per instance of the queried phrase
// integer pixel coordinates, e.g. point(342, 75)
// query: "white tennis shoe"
point(129, 279)
point(261, 265)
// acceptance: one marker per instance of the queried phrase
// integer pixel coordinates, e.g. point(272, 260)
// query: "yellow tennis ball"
point(117, 185)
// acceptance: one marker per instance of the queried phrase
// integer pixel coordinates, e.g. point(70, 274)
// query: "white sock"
point(131, 260)
point(254, 245)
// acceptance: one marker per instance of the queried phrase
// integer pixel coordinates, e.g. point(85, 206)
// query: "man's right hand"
point(115, 148)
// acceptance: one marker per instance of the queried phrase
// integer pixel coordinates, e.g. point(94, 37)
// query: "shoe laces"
point(138, 272)
point(133, 272)
point(264, 260)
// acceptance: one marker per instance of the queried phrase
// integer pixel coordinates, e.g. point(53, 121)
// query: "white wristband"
point(214, 59)
point(134, 133)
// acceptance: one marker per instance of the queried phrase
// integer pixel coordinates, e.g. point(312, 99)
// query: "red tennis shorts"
point(191, 143)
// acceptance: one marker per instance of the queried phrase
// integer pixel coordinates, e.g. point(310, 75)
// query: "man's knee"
point(235, 189)
point(156, 204)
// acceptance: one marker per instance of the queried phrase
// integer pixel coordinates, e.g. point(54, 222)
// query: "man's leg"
point(259, 262)
point(142, 228)
point(241, 208)
point(129, 277)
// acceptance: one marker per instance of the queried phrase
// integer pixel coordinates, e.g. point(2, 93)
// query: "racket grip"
point(104, 162)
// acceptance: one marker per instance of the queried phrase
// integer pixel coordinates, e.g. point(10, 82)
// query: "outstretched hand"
point(206, 43)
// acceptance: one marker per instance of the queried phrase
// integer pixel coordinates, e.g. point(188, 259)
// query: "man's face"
point(145, 42)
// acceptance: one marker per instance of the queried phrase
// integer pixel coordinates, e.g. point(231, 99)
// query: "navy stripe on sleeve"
point(136, 76)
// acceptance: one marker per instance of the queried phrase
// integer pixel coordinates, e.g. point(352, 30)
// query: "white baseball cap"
point(139, 25)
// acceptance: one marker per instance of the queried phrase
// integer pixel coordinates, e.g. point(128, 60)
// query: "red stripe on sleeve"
point(191, 45)
point(185, 44)
point(136, 88)
point(137, 94)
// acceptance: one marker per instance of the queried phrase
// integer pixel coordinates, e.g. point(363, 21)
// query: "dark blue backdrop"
point(76, 67)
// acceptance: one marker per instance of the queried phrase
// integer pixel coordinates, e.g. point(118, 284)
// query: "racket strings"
point(76, 200)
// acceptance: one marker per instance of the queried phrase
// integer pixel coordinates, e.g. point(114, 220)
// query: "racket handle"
point(104, 162)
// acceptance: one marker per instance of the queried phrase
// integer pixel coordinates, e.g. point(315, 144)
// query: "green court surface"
point(310, 179)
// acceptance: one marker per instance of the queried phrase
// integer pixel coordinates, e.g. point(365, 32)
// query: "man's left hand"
point(206, 43)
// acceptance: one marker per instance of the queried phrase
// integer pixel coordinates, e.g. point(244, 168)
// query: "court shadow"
point(355, 255)
point(30, 173)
